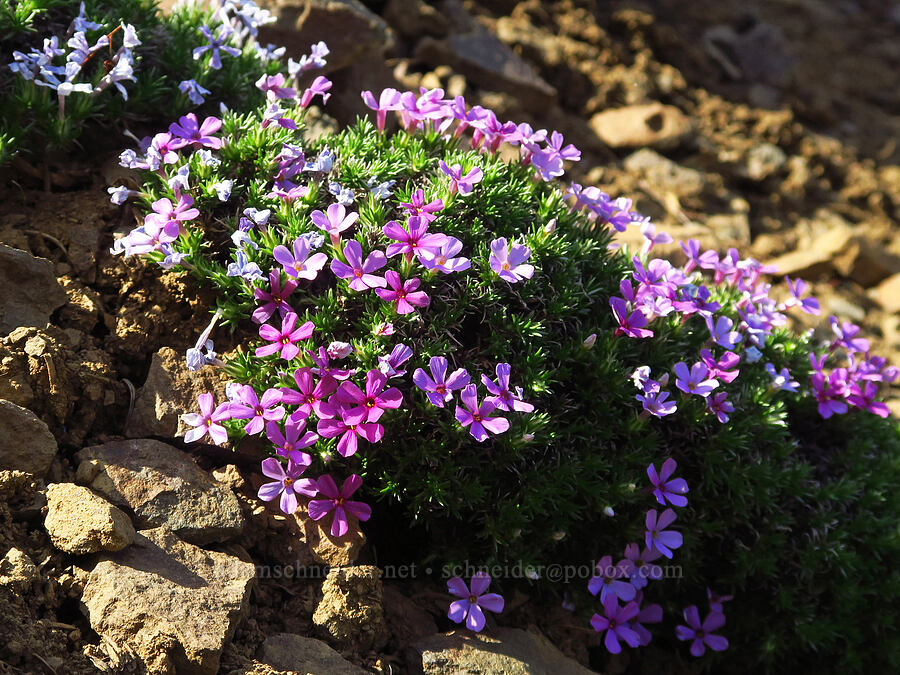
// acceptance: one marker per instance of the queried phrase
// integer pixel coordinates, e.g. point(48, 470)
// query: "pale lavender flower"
point(215, 44)
point(390, 365)
point(464, 183)
point(657, 403)
point(207, 421)
point(721, 332)
point(194, 91)
point(287, 484)
point(509, 262)
point(242, 267)
point(300, 265)
point(694, 381)
point(334, 221)
point(442, 259)
point(438, 387)
point(781, 381)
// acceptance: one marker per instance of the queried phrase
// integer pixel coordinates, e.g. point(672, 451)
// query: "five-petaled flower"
point(338, 501)
point(700, 634)
point(473, 601)
point(464, 183)
point(438, 387)
point(608, 581)
point(615, 621)
point(657, 536)
point(300, 265)
point(403, 293)
point(290, 443)
point(501, 396)
point(359, 271)
point(309, 396)
point(287, 484)
point(257, 410)
point(284, 340)
point(478, 417)
point(509, 261)
point(671, 490)
point(275, 299)
point(334, 221)
point(188, 131)
point(371, 405)
point(207, 421)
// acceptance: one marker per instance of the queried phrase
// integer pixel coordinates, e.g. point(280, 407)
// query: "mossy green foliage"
point(30, 122)
point(795, 515)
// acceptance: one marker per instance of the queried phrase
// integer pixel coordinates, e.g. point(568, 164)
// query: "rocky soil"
point(121, 552)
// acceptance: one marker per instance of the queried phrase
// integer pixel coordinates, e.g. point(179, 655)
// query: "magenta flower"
point(509, 262)
point(720, 406)
point(463, 183)
point(442, 258)
point(631, 324)
point(309, 396)
point(206, 421)
point(323, 366)
point(413, 240)
point(300, 265)
point(657, 536)
point(418, 207)
point(694, 381)
point(334, 221)
point(287, 192)
point(258, 411)
point(273, 299)
point(389, 100)
point(478, 418)
point(284, 340)
point(338, 502)
point(808, 305)
point(359, 272)
point(371, 405)
point(608, 581)
point(189, 132)
point(290, 443)
point(318, 88)
point(470, 608)
point(701, 633)
point(438, 388)
point(708, 260)
point(403, 293)
point(671, 490)
point(721, 369)
point(615, 623)
point(348, 443)
point(502, 398)
point(287, 484)
point(273, 86)
point(165, 213)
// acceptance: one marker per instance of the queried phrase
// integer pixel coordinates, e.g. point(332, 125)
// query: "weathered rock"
point(865, 262)
point(415, 18)
point(483, 59)
point(174, 604)
point(163, 487)
point(757, 54)
point(29, 292)
point(348, 28)
point(351, 612)
point(17, 570)
point(761, 161)
point(170, 390)
point(26, 443)
point(887, 293)
point(813, 262)
point(328, 550)
point(652, 125)
point(664, 174)
point(78, 521)
point(298, 654)
point(407, 619)
point(511, 651)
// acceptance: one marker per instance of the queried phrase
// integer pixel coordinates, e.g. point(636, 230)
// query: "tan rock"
point(29, 292)
point(298, 654)
point(17, 570)
point(815, 261)
point(351, 612)
point(887, 293)
point(865, 262)
point(174, 604)
point(652, 125)
point(79, 522)
point(326, 549)
point(26, 443)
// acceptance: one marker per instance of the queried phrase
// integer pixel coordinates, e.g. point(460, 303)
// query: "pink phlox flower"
point(149, 237)
point(845, 336)
point(287, 484)
point(284, 340)
point(166, 212)
point(187, 131)
point(323, 367)
point(207, 421)
point(334, 221)
point(300, 265)
point(652, 237)
point(509, 261)
point(388, 100)
point(721, 369)
point(417, 110)
point(273, 86)
point(290, 443)
point(338, 502)
point(438, 387)
point(668, 490)
point(657, 536)
point(490, 132)
point(830, 391)
point(412, 239)
point(719, 404)
point(310, 396)
point(442, 258)
point(359, 272)
point(700, 634)
point(257, 410)
point(657, 403)
point(389, 365)
point(630, 324)
point(862, 395)
point(383, 329)
point(166, 147)
point(696, 380)
point(464, 183)
point(808, 305)
point(371, 405)
point(615, 621)
point(549, 160)
point(403, 293)
point(502, 397)
point(608, 581)
point(275, 299)
point(473, 601)
point(417, 206)
point(478, 417)
point(348, 443)
point(319, 87)
point(287, 192)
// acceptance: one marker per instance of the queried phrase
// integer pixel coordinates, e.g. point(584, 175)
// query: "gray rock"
point(79, 522)
point(651, 125)
point(351, 612)
point(298, 654)
point(163, 487)
point(29, 292)
point(510, 651)
point(173, 604)
point(26, 443)
point(758, 54)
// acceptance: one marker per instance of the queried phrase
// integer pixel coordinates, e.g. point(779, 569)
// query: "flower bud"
point(550, 227)
point(589, 341)
point(608, 511)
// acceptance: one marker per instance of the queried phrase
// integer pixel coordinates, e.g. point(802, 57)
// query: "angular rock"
point(415, 18)
point(511, 651)
point(761, 161)
point(328, 550)
point(483, 59)
point(664, 174)
point(163, 487)
point(175, 605)
point(652, 125)
point(79, 522)
point(887, 293)
point(17, 570)
point(298, 654)
point(813, 262)
point(29, 292)
point(865, 262)
point(170, 390)
point(26, 443)
point(348, 28)
point(351, 612)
